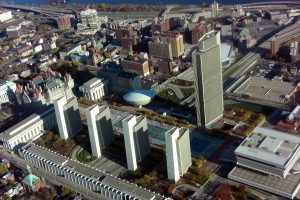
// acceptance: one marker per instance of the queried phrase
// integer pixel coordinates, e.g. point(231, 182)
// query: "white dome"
point(139, 97)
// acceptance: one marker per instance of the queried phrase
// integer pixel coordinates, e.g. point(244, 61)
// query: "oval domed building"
point(139, 97)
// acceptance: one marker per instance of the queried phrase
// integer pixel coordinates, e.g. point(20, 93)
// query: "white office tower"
point(208, 79)
point(67, 117)
point(215, 9)
point(178, 152)
point(136, 138)
point(89, 20)
point(100, 128)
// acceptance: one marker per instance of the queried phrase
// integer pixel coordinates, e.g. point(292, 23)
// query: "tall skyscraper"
point(208, 79)
point(178, 152)
point(136, 138)
point(215, 9)
point(100, 128)
point(68, 117)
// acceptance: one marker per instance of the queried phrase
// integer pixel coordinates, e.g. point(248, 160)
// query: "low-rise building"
point(29, 129)
point(7, 91)
point(227, 54)
point(94, 89)
point(268, 159)
point(14, 31)
point(106, 185)
point(5, 16)
point(136, 65)
point(295, 52)
point(119, 80)
point(292, 121)
point(65, 53)
point(31, 182)
point(43, 91)
point(276, 16)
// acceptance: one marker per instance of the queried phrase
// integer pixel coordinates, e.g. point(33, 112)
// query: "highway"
point(245, 64)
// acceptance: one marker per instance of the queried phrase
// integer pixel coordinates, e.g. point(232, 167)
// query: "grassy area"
point(129, 175)
point(188, 91)
point(84, 156)
point(168, 94)
point(9, 60)
point(52, 141)
point(252, 107)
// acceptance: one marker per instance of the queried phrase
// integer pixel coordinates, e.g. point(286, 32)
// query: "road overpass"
point(245, 64)
point(49, 12)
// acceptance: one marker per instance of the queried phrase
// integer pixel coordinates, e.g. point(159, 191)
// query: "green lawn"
point(188, 91)
point(85, 157)
point(251, 107)
point(165, 94)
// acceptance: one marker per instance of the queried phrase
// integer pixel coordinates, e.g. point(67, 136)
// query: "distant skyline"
point(140, 2)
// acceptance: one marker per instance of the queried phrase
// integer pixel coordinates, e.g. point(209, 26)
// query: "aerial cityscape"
point(149, 100)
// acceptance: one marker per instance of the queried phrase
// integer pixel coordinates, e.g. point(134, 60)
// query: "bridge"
point(48, 12)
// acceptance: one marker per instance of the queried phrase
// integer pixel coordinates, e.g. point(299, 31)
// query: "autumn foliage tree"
point(223, 192)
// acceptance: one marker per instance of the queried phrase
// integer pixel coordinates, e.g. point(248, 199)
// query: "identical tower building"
point(208, 79)
point(68, 117)
point(136, 138)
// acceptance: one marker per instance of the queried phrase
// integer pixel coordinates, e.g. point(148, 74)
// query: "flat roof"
point(269, 146)
point(14, 130)
point(128, 188)
point(265, 89)
point(92, 82)
point(285, 185)
point(225, 52)
point(93, 173)
point(4, 84)
point(56, 158)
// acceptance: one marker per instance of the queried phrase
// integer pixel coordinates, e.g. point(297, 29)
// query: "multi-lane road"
point(245, 64)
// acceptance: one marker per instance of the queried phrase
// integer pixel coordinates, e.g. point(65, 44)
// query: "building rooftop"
point(284, 185)
point(4, 85)
point(14, 130)
point(107, 179)
point(269, 146)
point(92, 82)
point(128, 188)
point(209, 35)
point(225, 52)
point(13, 28)
point(47, 154)
point(265, 89)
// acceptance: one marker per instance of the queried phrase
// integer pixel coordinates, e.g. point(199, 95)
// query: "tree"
point(199, 161)
point(65, 192)
point(223, 192)
point(6, 197)
point(3, 169)
point(241, 188)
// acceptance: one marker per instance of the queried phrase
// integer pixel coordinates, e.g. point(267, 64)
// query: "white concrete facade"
point(94, 89)
point(91, 114)
point(60, 117)
point(109, 187)
point(172, 156)
point(29, 129)
point(128, 131)
point(178, 152)
point(5, 16)
point(7, 91)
